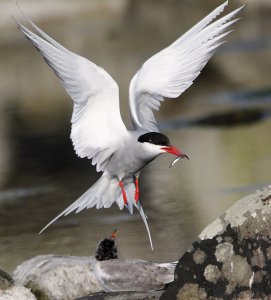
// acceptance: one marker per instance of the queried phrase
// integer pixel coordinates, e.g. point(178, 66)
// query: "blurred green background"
point(222, 122)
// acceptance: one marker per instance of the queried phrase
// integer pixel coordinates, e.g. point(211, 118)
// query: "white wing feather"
point(170, 72)
point(97, 127)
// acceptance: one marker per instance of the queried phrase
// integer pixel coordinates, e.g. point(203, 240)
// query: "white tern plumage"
point(98, 131)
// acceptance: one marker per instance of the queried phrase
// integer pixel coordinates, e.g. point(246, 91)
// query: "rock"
point(237, 271)
point(212, 273)
point(191, 291)
point(155, 295)
point(17, 292)
point(232, 258)
point(58, 277)
point(69, 277)
point(10, 290)
point(6, 280)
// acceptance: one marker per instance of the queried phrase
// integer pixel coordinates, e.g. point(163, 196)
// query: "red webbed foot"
point(137, 190)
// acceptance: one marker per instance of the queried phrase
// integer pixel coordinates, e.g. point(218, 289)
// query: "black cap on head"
point(107, 249)
point(155, 138)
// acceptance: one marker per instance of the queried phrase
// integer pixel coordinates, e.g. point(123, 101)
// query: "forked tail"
point(144, 218)
point(104, 193)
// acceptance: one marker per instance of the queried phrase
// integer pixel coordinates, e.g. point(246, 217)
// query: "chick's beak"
point(114, 233)
point(172, 150)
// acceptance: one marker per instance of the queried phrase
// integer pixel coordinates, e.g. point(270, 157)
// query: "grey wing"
point(133, 275)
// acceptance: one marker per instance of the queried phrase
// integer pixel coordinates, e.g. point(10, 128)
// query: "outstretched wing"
point(97, 127)
point(170, 72)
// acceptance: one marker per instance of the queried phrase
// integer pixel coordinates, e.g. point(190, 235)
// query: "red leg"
point(137, 190)
point(123, 192)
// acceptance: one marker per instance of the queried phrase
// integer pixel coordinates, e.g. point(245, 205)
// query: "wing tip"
point(226, 3)
point(45, 227)
point(22, 12)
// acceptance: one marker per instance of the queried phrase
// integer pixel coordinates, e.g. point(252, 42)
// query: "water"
point(224, 165)
point(40, 174)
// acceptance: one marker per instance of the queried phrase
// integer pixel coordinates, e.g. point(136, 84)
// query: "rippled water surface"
point(40, 174)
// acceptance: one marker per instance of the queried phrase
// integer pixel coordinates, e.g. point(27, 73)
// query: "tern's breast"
point(125, 161)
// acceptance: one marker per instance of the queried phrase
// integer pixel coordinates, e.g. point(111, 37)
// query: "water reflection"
point(40, 174)
point(228, 118)
point(244, 97)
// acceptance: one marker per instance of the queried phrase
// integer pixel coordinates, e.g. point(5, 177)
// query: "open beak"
point(172, 150)
point(113, 235)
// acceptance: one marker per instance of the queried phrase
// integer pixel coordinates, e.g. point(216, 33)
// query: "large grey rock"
point(68, 277)
point(58, 277)
point(10, 290)
point(232, 258)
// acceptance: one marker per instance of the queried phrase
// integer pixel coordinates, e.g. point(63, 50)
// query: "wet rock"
point(237, 255)
point(10, 290)
point(212, 273)
point(237, 271)
point(58, 277)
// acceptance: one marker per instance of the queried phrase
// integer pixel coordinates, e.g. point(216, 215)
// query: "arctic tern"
point(97, 130)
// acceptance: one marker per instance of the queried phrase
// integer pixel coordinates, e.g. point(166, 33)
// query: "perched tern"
point(117, 274)
point(97, 130)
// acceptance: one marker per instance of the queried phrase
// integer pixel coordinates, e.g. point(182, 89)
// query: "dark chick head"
point(155, 138)
point(107, 248)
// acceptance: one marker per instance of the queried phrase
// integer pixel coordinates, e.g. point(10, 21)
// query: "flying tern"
point(97, 129)
point(119, 274)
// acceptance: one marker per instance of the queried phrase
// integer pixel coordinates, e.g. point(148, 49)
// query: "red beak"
point(113, 235)
point(172, 150)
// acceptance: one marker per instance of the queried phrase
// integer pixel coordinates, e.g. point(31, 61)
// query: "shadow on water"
point(38, 149)
point(244, 97)
point(243, 108)
point(252, 45)
point(230, 118)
